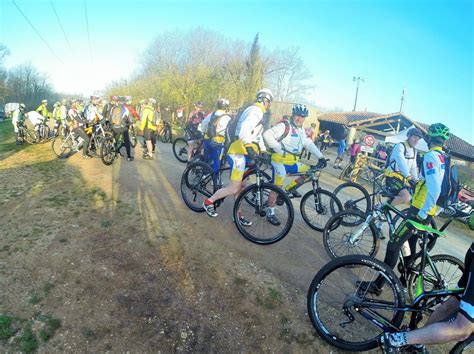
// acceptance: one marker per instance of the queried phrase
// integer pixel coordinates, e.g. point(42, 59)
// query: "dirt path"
point(117, 257)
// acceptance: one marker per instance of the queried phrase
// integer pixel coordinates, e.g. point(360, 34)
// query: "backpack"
point(212, 126)
point(116, 115)
point(389, 162)
point(450, 186)
point(287, 129)
point(231, 129)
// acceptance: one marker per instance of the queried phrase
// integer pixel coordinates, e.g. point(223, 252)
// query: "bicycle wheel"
point(249, 179)
point(133, 136)
point(461, 347)
point(347, 233)
point(346, 172)
point(198, 183)
point(61, 146)
point(317, 207)
point(45, 133)
point(353, 196)
point(165, 136)
point(335, 303)
point(180, 150)
point(261, 231)
point(107, 150)
point(443, 272)
point(30, 137)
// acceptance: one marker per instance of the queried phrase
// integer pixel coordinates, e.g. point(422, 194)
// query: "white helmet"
point(151, 101)
point(264, 94)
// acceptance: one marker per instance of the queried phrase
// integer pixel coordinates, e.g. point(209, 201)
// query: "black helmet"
point(415, 132)
point(223, 103)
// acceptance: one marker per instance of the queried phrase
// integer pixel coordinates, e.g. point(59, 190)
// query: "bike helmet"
point(300, 110)
point(94, 97)
point(44, 101)
point(56, 104)
point(223, 103)
point(415, 132)
point(199, 104)
point(151, 101)
point(22, 106)
point(113, 98)
point(438, 130)
point(128, 99)
point(264, 94)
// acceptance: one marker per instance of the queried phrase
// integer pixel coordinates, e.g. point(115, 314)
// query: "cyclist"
point(148, 126)
point(423, 204)
point(91, 112)
point(286, 140)
point(18, 116)
point(35, 119)
point(59, 115)
point(436, 332)
point(79, 123)
point(120, 117)
point(401, 171)
point(248, 145)
point(43, 109)
point(193, 134)
point(215, 125)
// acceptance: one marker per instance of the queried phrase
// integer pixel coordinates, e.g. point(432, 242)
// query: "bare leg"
point(233, 188)
point(402, 198)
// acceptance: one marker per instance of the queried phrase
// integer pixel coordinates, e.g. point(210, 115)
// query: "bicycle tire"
point(30, 137)
point(45, 133)
point(61, 147)
point(362, 203)
point(193, 184)
point(349, 265)
point(133, 136)
point(165, 136)
point(107, 150)
point(344, 175)
point(241, 209)
point(247, 176)
point(178, 145)
point(441, 284)
point(333, 205)
point(461, 346)
point(370, 242)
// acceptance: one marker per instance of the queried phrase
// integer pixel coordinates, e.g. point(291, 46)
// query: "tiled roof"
point(346, 117)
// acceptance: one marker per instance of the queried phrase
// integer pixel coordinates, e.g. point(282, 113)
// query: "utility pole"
point(358, 80)
point(402, 99)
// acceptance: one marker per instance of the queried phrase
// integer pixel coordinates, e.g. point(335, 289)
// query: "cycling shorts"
point(467, 282)
point(238, 164)
point(395, 185)
point(280, 170)
point(148, 133)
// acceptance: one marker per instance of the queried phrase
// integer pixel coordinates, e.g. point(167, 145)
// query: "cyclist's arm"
point(312, 148)
point(272, 135)
point(398, 156)
point(433, 180)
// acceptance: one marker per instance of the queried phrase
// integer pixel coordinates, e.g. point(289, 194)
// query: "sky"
point(423, 46)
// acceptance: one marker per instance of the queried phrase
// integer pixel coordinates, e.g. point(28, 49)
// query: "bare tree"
point(287, 74)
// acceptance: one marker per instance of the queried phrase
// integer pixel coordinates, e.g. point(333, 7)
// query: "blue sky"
point(425, 46)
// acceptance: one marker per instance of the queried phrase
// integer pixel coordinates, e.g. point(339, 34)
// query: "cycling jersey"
point(147, 118)
point(35, 118)
point(288, 150)
point(220, 122)
point(249, 130)
point(402, 162)
point(428, 190)
point(43, 110)
point(466, 306)
point(91, 113)
point(17, 116)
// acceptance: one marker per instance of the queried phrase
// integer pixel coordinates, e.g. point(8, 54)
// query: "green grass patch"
point(51, 325)
point(47, 287)
point(6, 328)
point(106, 224)
point(28, 342)
point(34, 299)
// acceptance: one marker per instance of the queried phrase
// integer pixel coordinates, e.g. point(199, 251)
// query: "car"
point(2, 114)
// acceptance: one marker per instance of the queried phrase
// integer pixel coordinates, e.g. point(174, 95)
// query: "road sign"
point(369, 140)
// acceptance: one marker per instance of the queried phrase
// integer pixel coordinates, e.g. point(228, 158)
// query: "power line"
point(60, 25)
point(39, 35)
point(88, 33)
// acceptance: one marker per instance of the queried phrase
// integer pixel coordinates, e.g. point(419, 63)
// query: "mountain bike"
point(317, 205)
point(350, 318)
point(25, 134)
point(97, 137)
point(65, 146)
point(43, 131)
point(180, 150)
point(132, 133)
point(166, 133)
point(110, 147)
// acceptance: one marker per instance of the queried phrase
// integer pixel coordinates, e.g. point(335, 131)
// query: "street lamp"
point(402, 99)
point(358, 80)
